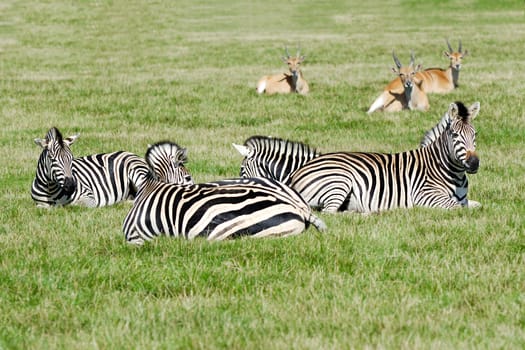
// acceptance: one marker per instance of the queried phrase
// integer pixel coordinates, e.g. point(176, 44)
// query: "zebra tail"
point(318, 223)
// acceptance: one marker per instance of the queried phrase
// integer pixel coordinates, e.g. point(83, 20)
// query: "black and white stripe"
point(256, 207)
point(94, 181)
point(273, 158)
point(430, 176)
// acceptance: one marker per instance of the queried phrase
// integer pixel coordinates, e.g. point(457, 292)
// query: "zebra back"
point(108, 178)
point(273, 158)
point(256, 207)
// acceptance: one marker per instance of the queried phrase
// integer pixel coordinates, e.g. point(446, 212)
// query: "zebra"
point(94, 181)
point(273, 158)
point(256, 207)
point(430, 176)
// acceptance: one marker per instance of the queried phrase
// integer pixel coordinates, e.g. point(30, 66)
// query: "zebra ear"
point(41, 142)
point(453, 112)
point(183, 155)
point(69, 140)
point(243, 150)
point(473, 110)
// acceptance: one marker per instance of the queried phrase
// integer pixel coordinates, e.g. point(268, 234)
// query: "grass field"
point(124, 74)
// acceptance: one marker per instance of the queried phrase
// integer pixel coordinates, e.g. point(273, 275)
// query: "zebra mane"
point(433, 134)
point(55, 134)
point(443, 124)
point(276, 145)
point(463, 111)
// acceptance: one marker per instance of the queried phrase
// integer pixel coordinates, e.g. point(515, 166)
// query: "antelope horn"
point(396, 60)
point(459, 48)
point(287, 53)
point(449, 47)
point(298, 50)
point(412, 58)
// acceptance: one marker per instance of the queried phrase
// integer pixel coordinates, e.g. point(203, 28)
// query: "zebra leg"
point(332, 205)
point(138, 241)
point(43, 205)
point(335, 199)
point(132, 235)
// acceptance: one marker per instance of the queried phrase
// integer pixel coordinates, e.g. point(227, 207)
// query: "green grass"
point(125, 74)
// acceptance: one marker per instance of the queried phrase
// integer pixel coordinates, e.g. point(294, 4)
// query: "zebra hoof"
point(136, 242)
point(474, 204)
point(44, 206)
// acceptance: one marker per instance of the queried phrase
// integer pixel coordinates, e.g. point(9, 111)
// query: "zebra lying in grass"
point(273, 158)
point(218, 210)
point(93, 181)
point(431, 176)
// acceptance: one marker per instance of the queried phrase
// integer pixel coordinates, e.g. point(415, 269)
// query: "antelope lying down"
point(438, 80)
point(405, 92)
point(435, 80)
point(285, 83)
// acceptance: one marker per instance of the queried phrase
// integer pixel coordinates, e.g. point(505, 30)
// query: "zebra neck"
point(449, 166)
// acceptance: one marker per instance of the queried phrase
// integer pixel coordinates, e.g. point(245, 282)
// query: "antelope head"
point(294, 62)
point(407, 74)
point(455, 57)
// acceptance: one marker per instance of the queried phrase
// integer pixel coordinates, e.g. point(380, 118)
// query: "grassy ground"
point(125, 74)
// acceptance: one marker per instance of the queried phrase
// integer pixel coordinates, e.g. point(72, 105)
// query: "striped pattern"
point(256, 207)
point(166, 163)
point(273, 158)
point(431, 176)
point(95, 181)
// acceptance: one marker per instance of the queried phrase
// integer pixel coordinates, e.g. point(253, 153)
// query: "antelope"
point(285, 83)
point(404, 92)
point(438, 80)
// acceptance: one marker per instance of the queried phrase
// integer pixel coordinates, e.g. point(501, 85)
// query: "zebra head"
point(166, 161)
point(57, 160)
point(462, 136)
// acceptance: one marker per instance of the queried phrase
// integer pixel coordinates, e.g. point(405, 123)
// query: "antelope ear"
point(69, 140)
point(446, 54)
point(41, 142)
point(394, 70)
point(473, 110)
point(464, 53)
point(243, 150)
point(418, 67)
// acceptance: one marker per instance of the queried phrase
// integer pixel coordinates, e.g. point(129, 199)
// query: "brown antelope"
point(440, 80)
point(404, 92)
point(285, 83)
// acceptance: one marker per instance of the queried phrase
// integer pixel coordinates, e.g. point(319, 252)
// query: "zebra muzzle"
point(70, 184)
point(472, 164)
